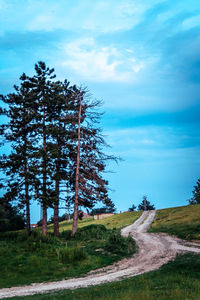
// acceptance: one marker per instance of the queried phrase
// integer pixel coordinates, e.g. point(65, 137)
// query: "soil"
point(154, 251)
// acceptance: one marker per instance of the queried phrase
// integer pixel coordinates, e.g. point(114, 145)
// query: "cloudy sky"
point(142, 58)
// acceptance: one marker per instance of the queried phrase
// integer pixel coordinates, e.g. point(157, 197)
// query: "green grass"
point(184, 222)
point(115, 221)
point(36, 258)
point(177, 280)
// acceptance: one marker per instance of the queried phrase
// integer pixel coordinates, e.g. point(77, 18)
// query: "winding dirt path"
point(154, 251)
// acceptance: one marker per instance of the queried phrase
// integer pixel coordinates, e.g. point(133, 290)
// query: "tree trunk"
point(44, 206)
point(56, 210)
point(75, 217)
point(28, 227)
point(55, 219)
point(56, 205)
point(44, 219)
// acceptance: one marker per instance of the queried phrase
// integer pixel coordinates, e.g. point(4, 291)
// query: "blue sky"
point(142, 59)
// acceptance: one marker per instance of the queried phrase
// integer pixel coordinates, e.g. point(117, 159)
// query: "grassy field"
point(184, 222)
point(21, 263)
point(115, 221)
point(177, 280)
point(36, 258)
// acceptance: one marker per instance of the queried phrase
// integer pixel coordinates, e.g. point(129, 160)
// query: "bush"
point(67, 234)
point(120, 245)
point(89, 232)
point(10, 216)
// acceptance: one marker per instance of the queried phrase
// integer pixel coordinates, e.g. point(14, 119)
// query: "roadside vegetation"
point(184, 222)
point(179, 279)
point(37, 258)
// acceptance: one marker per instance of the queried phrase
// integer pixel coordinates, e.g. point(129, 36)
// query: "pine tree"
point(145, 204)
point(196, 193)
point(59, 152)
point(42, 97)
point(17, 132)
point(132, 208)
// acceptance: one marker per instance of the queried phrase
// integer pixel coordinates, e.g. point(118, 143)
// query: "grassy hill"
point(179, 279)
point(25, 261)
point(116, 221)
point(184, 221)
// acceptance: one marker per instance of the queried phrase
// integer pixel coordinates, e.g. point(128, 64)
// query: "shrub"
point(93, 231)
point(67, 234)
point(34, 261)
point(120, 245)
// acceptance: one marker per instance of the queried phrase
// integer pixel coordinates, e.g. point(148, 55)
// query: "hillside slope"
point(115, 221)
point(184, 222)
point(154, 251)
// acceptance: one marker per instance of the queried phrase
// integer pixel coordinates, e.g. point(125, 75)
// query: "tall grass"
point(71, 254)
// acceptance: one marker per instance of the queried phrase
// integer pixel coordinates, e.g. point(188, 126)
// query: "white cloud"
point(151, 143)
point(191, 22)
point(113, 16)
point(148, 137)
point(97, 16)
point(138, 67)
point(134, 137)
point(100, 62)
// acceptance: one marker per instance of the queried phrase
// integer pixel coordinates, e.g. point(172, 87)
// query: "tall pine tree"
point(18, 165)
point(42, 97)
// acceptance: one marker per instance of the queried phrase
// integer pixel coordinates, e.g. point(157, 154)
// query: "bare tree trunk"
point(44, 219)
point(28, 226)
point(56, 204)
point(55, 219)
point(75, 218)
point(44, 206)
point(56, 209)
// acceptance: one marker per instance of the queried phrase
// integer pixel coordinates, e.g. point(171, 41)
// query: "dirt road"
point(154, 251)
